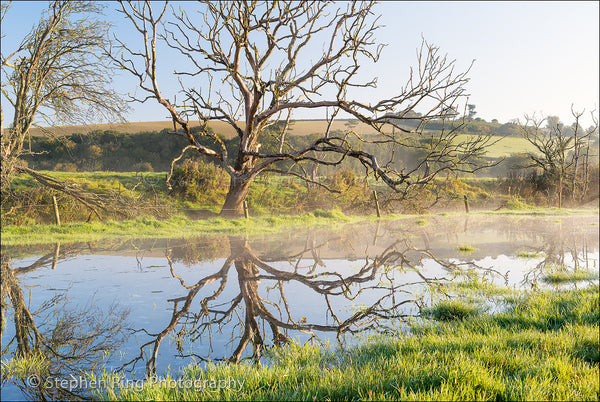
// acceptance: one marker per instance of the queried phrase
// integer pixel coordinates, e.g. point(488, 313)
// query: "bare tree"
point(58, 74)
point(259, 63)
point(558, 150)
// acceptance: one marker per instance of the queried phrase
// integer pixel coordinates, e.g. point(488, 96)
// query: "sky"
point(529, 57)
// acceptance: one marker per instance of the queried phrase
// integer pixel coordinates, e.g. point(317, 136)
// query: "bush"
point(342, 179)
point(196, 181)
point(143, 167)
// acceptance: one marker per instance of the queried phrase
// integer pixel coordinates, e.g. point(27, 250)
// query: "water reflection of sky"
point(136, 274)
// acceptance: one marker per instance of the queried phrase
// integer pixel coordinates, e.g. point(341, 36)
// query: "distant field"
point(299, 127)
point(505, 147)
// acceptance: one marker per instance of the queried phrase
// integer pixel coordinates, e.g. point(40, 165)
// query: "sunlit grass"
point(558, 277)
point(476, 286)
point(452, 310)
point(543, 347)
point(23, 367)
point(179, 226)
point(505, 146)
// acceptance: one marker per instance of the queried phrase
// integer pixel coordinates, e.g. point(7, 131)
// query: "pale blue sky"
point(531, 57)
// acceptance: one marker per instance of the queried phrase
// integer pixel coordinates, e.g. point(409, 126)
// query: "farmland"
point(504, 145)
point(298, 127)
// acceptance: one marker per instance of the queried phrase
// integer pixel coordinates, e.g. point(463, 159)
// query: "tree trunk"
point(560, 190)
point(234, 202)
point(576, 163)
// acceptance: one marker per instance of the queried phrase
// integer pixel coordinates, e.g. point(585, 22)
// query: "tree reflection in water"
point(261, 295)
point(560, 256)
point(62, 340)
point(252, 313)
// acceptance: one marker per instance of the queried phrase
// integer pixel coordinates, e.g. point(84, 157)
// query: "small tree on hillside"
point(472, 111)
point(259, 64)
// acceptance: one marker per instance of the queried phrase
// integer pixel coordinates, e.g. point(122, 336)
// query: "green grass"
point(515, 203)
point(559, 277)
point(452, 310)
point(506, 146)
point(529, 254)
point(466, 248)
point(543, 211)
point(24, 367)
point(475, 288)
point(543, 347)
point(128, 195)
point(179, 226)
point(173, 227)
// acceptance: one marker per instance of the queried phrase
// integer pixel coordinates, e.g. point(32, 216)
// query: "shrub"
point(341, 179)
point(143, 167)
point(196, 181)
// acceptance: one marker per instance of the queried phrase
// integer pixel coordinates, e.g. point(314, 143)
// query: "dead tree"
point(252, 64)
point(558, 151)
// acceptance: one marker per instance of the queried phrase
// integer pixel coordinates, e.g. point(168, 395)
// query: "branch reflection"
point(56, 341)
point(261, 306)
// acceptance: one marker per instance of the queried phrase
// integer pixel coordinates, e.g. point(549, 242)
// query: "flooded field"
point(144, 306)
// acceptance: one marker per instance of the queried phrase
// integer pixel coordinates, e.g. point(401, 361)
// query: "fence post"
point(376, 204)
point(246, 209)
point(466, 203)
point(56, 215)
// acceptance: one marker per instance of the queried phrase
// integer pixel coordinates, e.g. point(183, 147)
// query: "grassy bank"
point(544, 346)
point(141, 205)
point(130, 195)
point(181, 226)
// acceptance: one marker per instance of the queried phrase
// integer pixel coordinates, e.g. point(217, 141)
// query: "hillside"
point(507, 135)
point(298, 127)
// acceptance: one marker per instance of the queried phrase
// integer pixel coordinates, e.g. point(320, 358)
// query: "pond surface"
point(144, 306)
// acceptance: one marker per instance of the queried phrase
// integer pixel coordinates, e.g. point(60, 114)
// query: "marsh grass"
point(178, 226)
point(478, 287)
point(543, 211)
point(560, 277)
point(466, 248)
point(452, 310)
point(543, 347)
point(23, 367)
point(529, 254)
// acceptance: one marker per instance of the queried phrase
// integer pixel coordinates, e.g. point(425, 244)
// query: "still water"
point(146, 306)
